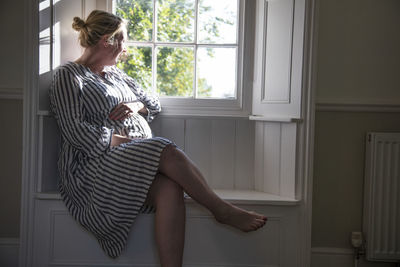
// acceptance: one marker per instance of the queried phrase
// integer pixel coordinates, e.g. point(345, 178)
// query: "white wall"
point(358, 55)
point(358, 69)
point(11, 83)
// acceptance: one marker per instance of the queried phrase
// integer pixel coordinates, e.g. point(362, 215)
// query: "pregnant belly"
point(137, 127)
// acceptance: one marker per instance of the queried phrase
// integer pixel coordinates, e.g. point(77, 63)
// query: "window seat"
point(243, 197)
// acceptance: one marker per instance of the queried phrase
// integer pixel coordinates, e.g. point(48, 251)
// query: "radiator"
point(381, 218)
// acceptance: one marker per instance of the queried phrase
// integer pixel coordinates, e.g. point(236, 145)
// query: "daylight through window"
point(182, 48)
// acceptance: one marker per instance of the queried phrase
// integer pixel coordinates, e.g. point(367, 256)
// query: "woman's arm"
point(117, 139)
point(124, 110)
point(152, 104)
point(67, 106)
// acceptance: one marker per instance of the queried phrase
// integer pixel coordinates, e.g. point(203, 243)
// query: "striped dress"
point(103, 187)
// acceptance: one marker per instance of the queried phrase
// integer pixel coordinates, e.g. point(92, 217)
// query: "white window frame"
point(237, 107)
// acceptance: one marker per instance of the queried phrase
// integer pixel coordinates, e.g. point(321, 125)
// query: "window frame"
point(236, 107)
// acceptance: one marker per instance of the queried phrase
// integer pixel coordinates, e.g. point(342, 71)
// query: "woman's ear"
point(105, 40)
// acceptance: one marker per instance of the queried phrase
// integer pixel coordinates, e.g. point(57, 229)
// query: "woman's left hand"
point(124, 110)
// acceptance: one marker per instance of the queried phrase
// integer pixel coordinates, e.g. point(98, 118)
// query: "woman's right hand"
point(124, 110)
point(117, 139)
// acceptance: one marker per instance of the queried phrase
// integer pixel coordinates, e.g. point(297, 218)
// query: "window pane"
point(217, 21)
point(216, 74)
point(139, 13)
point(175, 71)
point(137, 64)
point(175, 20)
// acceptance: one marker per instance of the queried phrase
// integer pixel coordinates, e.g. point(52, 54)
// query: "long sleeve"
point(152, 103)
point(67, 106)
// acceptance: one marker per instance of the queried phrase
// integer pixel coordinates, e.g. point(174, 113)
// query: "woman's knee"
point(171, 156)
point(166, 189)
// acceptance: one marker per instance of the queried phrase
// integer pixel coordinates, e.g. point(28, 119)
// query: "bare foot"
point(241, 219)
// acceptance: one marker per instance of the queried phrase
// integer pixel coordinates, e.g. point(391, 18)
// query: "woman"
point(111, 167)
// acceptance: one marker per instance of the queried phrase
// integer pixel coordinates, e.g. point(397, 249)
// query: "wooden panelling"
point(278, 51)
point(272, 159)
point(223, 154)
point(288, 160)
point(259, 156)
point(60, 241)
point(278, 60)
point(244, 155)
point(275, 154)
point(174, 129)
point(198, 144)
point(50, 141)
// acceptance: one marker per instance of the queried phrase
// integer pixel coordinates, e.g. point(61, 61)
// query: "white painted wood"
point(9, 252)
point(244, 155)
point(63, 242)
point(56, 23)
point(259, 156)
point(174, 129)
point(223, 134)
point(198, 143)
point(272, 158)
point(31, 63)
point(278, 46)
point(50, 150)
point(278, 65)
point(45, 53)
point(273, 119)
point(49, 143)
point(39, 183)
point(89, 5)
point(234, 196)
point(275, 158)
point(288, 160)
point(238, 107)
point(231, 153)
point(305, 131)
point(331, 257)
point(155, 126)
point(252, 197)
point(66, 46)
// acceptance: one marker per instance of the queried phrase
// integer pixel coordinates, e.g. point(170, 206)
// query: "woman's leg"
point(175, 165)
point(167, 197)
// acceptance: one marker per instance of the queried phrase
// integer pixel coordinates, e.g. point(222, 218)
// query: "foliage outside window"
point(182, 48)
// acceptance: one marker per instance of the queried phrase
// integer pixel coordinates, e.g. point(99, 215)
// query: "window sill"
point(241, 197)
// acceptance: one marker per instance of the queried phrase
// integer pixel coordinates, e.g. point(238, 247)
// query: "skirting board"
point(9, 248)
point(340, 257)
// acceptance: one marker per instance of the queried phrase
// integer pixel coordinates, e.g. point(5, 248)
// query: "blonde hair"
point(98, 24)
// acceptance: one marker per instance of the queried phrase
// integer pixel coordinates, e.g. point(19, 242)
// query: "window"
point(186, 51)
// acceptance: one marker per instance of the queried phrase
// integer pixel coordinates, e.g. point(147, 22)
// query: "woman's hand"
point(124, 110)
point(117, 139)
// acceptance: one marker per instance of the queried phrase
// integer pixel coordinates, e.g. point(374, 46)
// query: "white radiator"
point(381, 219)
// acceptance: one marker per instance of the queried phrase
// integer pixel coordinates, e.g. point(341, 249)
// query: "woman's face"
point(117, 48)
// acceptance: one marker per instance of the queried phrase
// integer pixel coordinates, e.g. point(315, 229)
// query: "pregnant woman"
point(111, 167)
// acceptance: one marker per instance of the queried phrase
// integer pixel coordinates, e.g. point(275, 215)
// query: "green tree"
point(175, 65)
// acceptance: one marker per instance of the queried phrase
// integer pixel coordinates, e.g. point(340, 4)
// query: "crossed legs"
point(177, 173)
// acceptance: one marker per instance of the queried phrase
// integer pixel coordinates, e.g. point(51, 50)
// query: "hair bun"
point(78, 24)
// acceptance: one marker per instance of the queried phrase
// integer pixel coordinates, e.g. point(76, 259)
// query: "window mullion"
point(52, 43)
point(195, 48)
point(153, 48)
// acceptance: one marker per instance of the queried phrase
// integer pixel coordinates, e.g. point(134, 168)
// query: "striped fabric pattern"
point(104, 187)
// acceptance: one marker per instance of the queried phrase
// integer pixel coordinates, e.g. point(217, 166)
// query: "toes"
point(259, 216)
